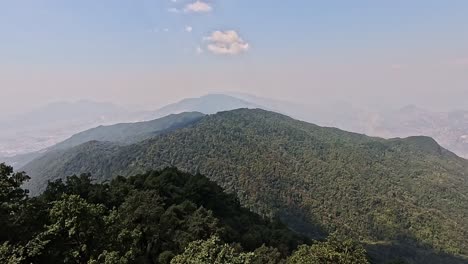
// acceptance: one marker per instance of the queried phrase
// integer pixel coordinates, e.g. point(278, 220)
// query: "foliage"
point(12, 200)
point(127, 133)
point(332, 251)
point(267, 255)
point(212, 251)
point(75, 233)
point(147, 218)
point(315, 179)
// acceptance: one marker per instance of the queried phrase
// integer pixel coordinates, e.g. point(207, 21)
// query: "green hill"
point(128, 133)
point(146, 218)
point(408, 192)
point(123, 134)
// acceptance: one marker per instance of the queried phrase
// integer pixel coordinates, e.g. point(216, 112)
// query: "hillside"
point(316, 179)
point(448, 128)
point(124, 133)
point(147, 218)
point(80, 121)
point(127, 133)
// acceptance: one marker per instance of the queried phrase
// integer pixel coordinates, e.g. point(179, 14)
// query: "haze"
point(234, 131)
point(152, 52)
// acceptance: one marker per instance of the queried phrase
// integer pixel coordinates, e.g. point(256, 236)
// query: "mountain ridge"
point(130, 132)
point(313, 177)
point(206, 104)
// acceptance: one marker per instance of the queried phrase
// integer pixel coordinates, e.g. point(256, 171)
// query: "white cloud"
point(226, 43)
point(188, 29)
point(198, 7)
point(199, 50)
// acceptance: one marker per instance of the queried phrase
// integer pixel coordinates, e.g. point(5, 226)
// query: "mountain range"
point(399, 193)
point(449, 128)
point(207, 104)
point(30, 135)
point(24, 137)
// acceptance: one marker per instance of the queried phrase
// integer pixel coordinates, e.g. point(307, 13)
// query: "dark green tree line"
point(162, 216)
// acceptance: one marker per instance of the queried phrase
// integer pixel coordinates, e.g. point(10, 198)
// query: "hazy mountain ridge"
point(38, 131)
point(123, 133)
point(312, 177)
point(450, 129)
point(206, 104)
point(127, 133)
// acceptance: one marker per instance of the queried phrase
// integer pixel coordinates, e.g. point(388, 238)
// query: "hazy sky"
point(153, 52)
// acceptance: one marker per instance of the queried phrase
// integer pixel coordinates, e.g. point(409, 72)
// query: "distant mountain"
point(450, 129)
point(207, 104)
point(127, 133)
point(317, 113)
point(19, 145)
point(24, 137)
point(403, 195)
point(20, 160)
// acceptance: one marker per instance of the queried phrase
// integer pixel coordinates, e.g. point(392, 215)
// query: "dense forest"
point(119, 134)
point(162, 216)
point(399, 196)
point(127, 133)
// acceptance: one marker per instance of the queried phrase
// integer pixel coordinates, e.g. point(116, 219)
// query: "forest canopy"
point(164, 216)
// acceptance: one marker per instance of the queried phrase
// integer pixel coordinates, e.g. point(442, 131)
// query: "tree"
point(76, 232)
point(12, 199)
point(183, 223)
point(111, 257)
point(10, 254)
point(267, 255)
point(140, 215)
point(148, 218)
point(212, 251)
point(332, 251)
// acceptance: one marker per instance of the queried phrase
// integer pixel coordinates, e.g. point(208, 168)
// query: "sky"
point(154, 52)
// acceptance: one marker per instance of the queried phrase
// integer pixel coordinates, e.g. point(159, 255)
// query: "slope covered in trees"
point(121, 134)
point(158, 217)
point(408, 192)
point(127, 133)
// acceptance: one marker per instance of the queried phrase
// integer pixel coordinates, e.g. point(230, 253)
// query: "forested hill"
point(127, 133)
point(401, 191)
point(122, 134)
point(147, 218)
